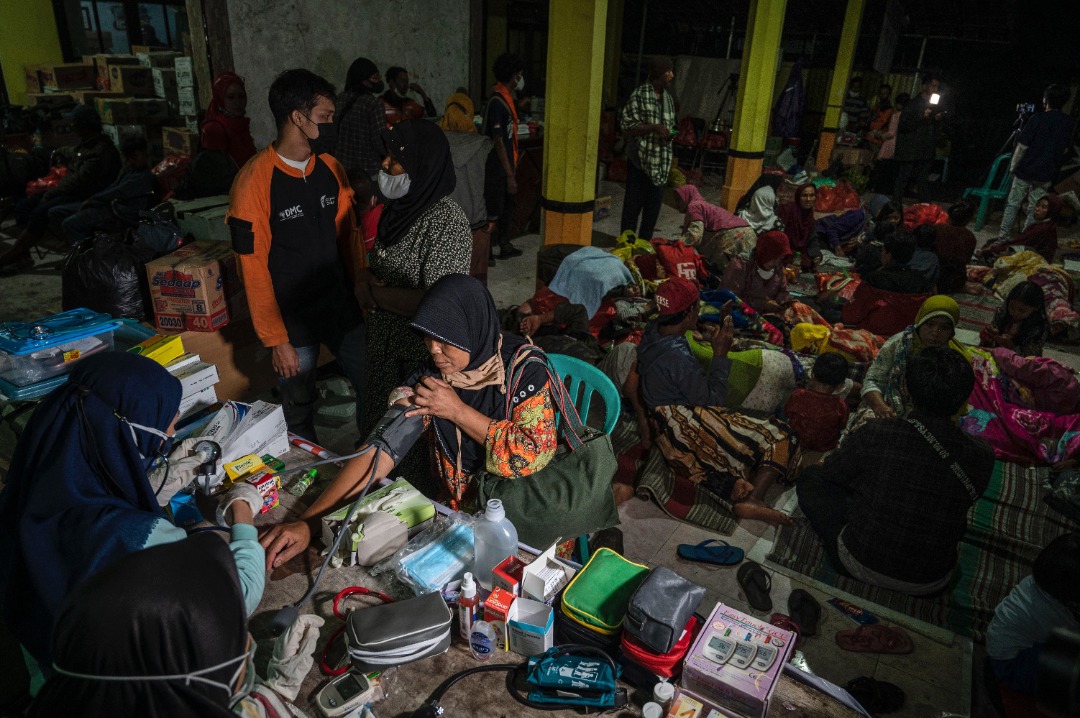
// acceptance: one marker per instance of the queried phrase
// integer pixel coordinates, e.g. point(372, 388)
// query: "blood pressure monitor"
point(345, 696)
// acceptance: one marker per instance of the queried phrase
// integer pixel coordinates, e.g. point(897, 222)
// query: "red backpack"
point(678, 260)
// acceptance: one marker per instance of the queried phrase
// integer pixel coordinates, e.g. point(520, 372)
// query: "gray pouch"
point(382, 535)
point(660, 608)
point(395, 633)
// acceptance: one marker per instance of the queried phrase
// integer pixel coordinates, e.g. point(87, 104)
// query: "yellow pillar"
point(496, 40)
point(613, 52)
point(27, 37)
point(845, 55)
point(575, 78)
point(757, 76)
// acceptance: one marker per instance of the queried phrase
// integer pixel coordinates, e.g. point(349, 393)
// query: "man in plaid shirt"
point(647, 121)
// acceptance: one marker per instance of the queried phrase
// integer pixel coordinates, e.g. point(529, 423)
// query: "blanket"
point(1007, 528)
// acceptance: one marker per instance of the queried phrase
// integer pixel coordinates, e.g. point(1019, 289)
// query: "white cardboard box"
point(545, 577)
point(531, 627)
point(197, 377)
point(197, 400)
point(242, 429)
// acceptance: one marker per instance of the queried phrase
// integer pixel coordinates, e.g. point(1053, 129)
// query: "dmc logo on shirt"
point(327, 201)
point(291, 213)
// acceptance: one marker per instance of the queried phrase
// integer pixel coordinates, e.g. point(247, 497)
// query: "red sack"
point(665, 665)
point(917, 215)
point(46, 183)
point(679, 260)
point(687, 135)
point(827, 200)
point(881, 312)
point(169, 174)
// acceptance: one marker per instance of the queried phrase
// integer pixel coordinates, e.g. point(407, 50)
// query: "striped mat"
point(1007, 528)
point(678, 497)
point(976, 311)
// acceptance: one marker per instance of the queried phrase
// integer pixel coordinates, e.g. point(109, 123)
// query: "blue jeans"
point(298, 393)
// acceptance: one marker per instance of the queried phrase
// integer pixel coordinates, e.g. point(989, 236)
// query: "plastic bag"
point(436, 556)
point(46, 183)
point(108, 276)
point(169, 174)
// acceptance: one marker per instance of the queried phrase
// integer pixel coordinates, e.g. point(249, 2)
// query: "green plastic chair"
point(584, 381)
point(991, 189)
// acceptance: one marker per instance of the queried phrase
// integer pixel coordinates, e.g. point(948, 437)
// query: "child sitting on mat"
point(817, 414)
point(1046, 600)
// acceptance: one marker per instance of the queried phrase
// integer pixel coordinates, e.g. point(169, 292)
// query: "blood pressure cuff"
point(558, 677)
point(396, 433)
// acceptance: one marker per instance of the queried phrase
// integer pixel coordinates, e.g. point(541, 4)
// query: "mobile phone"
point(935, 98)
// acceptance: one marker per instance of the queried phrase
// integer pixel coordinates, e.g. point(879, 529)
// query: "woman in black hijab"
point(423, 236)
point(482, 414)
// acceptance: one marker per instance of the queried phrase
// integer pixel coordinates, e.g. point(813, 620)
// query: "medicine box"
point(196, 288)
point(542, 579)
point(242, 429)
point(191, 404)
point(507, 575)
point(531, 626)
point(685, 704)
point(497, 611)
point(34, 351)
point(400, 499)
point(736, 661)
point(161, 348)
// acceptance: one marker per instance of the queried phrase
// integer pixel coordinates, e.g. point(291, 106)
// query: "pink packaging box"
point(268, 486)
point(736, 661)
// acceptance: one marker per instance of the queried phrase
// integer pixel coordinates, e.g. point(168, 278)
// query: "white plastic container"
point(482, 640)
point(495, 538)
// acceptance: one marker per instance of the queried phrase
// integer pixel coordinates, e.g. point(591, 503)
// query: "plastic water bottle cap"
point(495, 511)
point(663, 692)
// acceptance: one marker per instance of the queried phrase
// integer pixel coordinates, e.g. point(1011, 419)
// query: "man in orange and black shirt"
point(293, 227)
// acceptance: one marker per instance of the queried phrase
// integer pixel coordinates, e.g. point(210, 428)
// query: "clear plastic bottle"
point(495, 538)
point(468, 602)
point(482, 640)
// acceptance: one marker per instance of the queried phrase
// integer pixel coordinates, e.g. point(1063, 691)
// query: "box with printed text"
point(196, 288)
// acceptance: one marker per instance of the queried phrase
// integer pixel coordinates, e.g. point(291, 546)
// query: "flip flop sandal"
point(781, 621)
point(805, 610)
point(723, 554)
point(875, 638)
point(877, 697)
point(756, 584)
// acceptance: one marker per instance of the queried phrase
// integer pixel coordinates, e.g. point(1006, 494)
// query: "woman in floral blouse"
point(479, 417)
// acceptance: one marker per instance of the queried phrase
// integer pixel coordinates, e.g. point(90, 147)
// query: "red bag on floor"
point(169, 174)
point(666, 665)
point(917, 215)
point(881, 312)
point(46, 183)
point(679, 260)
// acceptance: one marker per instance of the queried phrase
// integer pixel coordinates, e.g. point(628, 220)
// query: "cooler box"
point(31, 352)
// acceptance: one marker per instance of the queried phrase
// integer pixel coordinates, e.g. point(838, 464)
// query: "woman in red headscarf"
point(226, 129)
point(760, 283)
point(798, 219)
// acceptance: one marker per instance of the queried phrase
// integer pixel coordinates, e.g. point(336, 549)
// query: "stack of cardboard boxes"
point(136, 94)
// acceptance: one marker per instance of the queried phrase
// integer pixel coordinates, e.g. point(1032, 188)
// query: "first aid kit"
point(35, 351)
point(599, 594)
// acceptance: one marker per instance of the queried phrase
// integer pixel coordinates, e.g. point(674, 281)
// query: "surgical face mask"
point(161, 455)
point(325, 143)
point(766, 274)
point(235, 694)
point(520, 84)
point(394, 186)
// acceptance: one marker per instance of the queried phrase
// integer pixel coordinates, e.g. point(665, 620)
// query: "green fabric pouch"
point(599, 594)
point(569, 497)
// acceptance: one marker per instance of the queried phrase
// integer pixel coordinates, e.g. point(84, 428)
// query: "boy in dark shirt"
point(895, 274)
point(817, 414)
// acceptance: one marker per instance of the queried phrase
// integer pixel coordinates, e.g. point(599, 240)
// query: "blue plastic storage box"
point(31, 352)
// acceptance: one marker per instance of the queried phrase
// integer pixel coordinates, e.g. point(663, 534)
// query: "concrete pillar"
point(845, 55)
point(753, 107)
point(575, 77)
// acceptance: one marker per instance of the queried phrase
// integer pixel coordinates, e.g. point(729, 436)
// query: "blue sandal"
point(723, 554)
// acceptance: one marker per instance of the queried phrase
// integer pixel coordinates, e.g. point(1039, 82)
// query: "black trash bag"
point(107, 275)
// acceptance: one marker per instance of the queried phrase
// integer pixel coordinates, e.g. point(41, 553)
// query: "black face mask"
point(326, 142)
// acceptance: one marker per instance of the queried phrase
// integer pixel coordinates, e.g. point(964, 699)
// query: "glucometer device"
point(345, 696)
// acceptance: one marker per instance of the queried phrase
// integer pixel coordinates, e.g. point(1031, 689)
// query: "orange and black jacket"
point(294, 233)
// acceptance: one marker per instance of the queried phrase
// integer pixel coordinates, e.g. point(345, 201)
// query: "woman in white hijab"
point(758, 205)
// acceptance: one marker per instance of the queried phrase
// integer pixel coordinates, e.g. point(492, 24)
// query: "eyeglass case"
point(396, 633)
